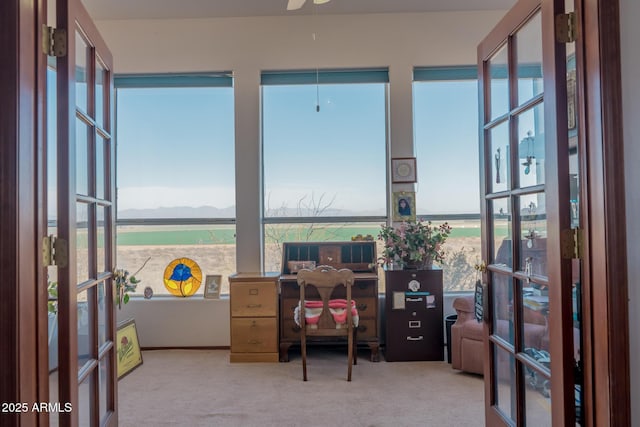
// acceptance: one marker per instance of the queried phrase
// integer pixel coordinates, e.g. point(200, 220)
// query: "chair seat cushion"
point(337, 308)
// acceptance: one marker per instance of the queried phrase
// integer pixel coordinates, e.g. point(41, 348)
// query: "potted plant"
point(413, 244)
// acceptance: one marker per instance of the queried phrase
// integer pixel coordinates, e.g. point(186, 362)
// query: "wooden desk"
point(359, 257)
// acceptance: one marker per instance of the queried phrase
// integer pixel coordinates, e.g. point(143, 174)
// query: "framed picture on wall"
point(403, 169)
point(212, 286)
point(404, 206)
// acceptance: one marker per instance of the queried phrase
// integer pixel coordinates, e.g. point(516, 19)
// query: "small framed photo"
point(128, 348)
point(404, 206)
point(212, 284)
point(403, 169)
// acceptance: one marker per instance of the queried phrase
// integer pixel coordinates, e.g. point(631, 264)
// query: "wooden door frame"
point(23, 329)
point(606, 347)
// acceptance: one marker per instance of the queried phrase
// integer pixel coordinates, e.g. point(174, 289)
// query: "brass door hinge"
point(566, 27)
point(54, 251)
point(572, 243)
point(54, 41)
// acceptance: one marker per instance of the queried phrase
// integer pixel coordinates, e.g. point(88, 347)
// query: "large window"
point(175, 175)
point(324, 156)
point(446, 145)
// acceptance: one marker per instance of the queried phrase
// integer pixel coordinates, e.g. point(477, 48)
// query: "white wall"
point(179, 322)
point(629, 36)
point(248, 46)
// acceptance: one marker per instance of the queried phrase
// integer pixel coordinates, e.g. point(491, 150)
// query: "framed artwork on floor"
point(128, 348)
point(404, 206)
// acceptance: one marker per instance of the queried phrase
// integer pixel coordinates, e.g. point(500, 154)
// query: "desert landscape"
point(462, 254)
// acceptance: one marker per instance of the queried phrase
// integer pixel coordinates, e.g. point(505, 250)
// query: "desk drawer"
point(367, 329)
point(253, 299)
point(257, 335)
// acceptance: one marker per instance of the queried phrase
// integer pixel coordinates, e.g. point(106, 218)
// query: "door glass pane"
point(575, 202)
point(82, 157)
point(84, 328)
point(533, 234)
point(52, 218)
point(101, 252)
point(537, 398)
point(101, 158)
point(86, 393)
point(82, 60)
point(499, 86)
point(531, 146)
point(535, 315)
point(104, 388)
point(82, 242)
point(500, 170)
point(103, 317)
point(501, 211)
point(101, 78)
point(529, 64)
point(503, 307)
point(505, 367)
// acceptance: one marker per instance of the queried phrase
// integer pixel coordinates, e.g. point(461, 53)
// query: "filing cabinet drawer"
point(254, 335)
point(253, 299)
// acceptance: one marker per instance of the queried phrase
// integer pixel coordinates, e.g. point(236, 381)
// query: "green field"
point(155, 236)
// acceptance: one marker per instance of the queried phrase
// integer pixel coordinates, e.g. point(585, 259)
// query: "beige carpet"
point(201, 388)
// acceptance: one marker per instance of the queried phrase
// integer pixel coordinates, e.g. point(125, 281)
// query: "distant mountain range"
point(179, 212)
point(229, 212)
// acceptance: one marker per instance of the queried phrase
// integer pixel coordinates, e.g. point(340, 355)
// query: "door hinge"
point(572, 243)
point(54, 41)
point(566, 27)
point(54, 251)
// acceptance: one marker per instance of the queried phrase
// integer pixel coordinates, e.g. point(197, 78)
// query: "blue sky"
point(175, 147)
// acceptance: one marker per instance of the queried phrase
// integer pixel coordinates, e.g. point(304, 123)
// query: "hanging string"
point(315, 42)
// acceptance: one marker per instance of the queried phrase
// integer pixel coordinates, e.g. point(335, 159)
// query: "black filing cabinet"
point(413, 309)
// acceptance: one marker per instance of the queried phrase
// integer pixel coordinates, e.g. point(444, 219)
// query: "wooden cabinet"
point(254, 317)
point(360, 257)
point(413, 310)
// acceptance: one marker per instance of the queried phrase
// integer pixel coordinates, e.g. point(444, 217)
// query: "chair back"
point(325, 279)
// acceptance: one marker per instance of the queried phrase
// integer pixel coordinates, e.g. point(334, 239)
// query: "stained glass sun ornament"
point(182, 277)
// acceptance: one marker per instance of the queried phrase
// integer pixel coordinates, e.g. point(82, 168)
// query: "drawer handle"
point(255, 342)
point(295, 328)
point(254, 305)
point(362, 328)
point(414, 299)
point(362, 307)
point(420, 338)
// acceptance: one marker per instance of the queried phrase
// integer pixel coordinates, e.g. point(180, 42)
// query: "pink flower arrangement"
point(413, 243)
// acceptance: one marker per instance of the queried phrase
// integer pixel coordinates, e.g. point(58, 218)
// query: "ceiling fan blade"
point(321, 1)
point(295, 4)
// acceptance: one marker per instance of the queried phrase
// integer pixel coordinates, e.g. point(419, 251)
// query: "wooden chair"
point(325, 279)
